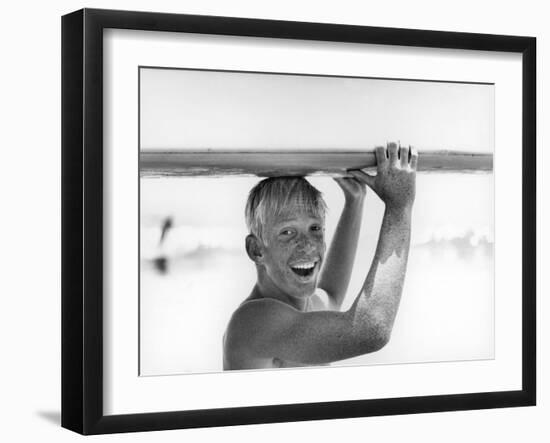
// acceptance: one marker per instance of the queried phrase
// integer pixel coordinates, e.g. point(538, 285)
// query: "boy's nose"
point(306, 245)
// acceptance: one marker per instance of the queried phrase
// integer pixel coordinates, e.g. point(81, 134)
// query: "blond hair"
point(273, 196)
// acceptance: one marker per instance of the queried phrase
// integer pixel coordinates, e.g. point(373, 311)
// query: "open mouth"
point(303, 269)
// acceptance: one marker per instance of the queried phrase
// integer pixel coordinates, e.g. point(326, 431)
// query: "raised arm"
point(395, 184)
point(336, 273)
point(269, 328)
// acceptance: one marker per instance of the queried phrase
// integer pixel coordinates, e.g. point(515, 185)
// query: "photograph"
point(271, 221)
point(291, 220)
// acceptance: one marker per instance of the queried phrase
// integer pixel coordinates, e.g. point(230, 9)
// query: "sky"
point(187, 109)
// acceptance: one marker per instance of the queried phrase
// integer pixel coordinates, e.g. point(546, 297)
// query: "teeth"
point(304, 266)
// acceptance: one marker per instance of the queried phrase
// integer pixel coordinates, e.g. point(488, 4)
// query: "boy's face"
point(293, 251)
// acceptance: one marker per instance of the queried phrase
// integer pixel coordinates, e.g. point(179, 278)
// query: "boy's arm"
point(268, 328)
point(336, 273)
point(395, 184)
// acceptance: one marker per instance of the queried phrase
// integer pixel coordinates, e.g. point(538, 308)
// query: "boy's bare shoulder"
point(254, 311)
point(264, 312)
point(253, 324)
point(247, 326)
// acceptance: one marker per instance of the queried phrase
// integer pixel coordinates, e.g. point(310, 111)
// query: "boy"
point(284, 322)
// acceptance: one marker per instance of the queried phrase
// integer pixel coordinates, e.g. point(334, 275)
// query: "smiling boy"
point(284, 322)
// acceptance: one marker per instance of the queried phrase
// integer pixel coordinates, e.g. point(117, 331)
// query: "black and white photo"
point(283, 222)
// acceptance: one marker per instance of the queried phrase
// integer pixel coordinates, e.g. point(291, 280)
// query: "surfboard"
point(269, 163)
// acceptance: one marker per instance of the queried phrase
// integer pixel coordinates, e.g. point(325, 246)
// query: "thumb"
point(363, 177)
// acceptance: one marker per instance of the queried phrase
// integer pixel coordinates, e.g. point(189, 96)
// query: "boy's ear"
point(254, 248)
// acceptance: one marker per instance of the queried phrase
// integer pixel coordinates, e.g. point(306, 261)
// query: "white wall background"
point(30, 222)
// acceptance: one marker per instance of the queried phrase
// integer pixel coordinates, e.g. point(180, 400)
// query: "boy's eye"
point(287, 232)
point(316, 228)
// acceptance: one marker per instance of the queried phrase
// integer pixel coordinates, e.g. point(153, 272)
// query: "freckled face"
point(294, 248)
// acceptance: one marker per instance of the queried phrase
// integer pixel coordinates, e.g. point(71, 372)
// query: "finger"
point(363, 177)
point(380, 156)
point(414, 158)
point(404, 155)
point(339, 180)
point(343, 182)
point(392, 153)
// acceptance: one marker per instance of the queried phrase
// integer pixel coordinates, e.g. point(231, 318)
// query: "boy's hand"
point(354, 190)
point(395, 180)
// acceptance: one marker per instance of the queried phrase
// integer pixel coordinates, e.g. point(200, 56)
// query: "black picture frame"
point(82, 220)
